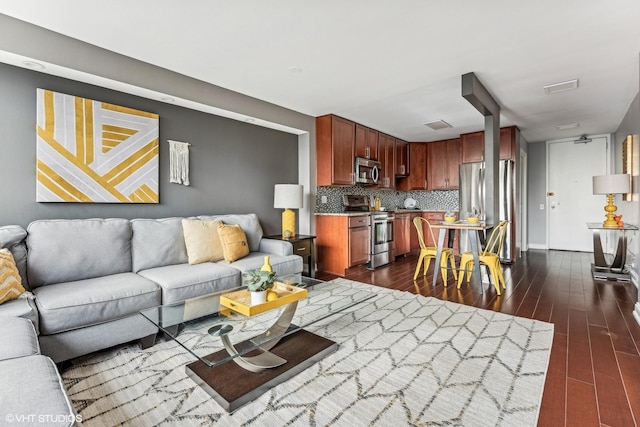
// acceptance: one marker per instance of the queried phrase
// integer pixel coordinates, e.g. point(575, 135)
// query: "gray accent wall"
point(234, 165)
point(537, 194)
point(630, 210)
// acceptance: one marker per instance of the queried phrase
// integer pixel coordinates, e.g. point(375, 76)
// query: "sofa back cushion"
point(157, 242)
point(249, 224)
point(65, 250)
point(12, 237)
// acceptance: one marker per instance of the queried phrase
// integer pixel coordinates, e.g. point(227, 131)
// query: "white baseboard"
point(636, 312)
point(538, 246)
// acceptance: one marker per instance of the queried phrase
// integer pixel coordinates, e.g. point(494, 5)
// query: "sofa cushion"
point(249, 223)
point(234, 242)
point(10, 281)
point(13, 238)
point(184, 281)
point(21, 335)
point(157, 242)
point(202, 240)
point(37, 397)
point(22, 307)
point(68, 250)
point(282, 265)
point(70, 305)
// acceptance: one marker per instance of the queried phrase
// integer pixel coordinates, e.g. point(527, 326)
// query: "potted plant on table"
point(258, 282)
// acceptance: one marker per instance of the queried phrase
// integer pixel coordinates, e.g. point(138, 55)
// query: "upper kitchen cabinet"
point(473, 145)
point(386, 157)
point(508, 138)
point(417, 178)
point(443, 163)
point(402, 158)
point(335, 141)
point(366, 142)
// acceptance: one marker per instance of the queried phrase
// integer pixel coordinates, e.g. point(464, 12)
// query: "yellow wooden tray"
point(240, 301)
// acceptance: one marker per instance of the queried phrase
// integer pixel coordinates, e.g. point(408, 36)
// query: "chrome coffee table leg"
point(266, 359)
point(259, 363)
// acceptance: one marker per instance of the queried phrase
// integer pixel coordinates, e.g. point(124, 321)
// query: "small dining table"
point(473, 230)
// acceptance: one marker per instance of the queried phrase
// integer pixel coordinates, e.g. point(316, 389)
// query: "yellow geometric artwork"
point(94, 152)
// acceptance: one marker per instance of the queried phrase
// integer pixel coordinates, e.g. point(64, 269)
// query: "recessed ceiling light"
point(33, 65)
point(295, 69)
point(561, 87)
point(250, 120)
point(568, 126)
point(438, 124)
point(167, 99)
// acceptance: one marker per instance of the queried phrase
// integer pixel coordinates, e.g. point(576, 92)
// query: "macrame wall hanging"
point(179, 162)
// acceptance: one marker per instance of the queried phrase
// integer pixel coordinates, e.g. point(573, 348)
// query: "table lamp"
point(610, 185)
point(288, 197)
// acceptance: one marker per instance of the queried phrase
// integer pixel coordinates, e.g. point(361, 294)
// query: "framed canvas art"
point(94, 152)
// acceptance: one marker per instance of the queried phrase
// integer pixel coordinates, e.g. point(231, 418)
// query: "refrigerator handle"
point(481, 191)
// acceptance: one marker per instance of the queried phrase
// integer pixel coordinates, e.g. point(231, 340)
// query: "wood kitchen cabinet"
point(402, 227)
point(366, 142)
point(443, 163)
point(417, 178)
point(342, 242)
point(335, 141)
point(386, 156)
point(402, 158)
point(473, 145)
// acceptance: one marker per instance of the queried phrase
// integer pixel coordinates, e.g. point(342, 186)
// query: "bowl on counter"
point(473, 220)
point(449, 219)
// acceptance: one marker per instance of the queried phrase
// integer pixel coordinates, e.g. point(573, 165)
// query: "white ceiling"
point(389, 65)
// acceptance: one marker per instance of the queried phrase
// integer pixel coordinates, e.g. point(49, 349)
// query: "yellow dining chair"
point(489, 257)
point(429, 252)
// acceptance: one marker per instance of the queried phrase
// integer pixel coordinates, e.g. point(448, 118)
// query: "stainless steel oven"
point(383, 247)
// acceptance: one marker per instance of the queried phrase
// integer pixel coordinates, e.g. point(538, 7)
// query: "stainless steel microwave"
point(367, 171)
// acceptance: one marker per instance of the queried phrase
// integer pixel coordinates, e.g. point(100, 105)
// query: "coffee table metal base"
point(233, 386)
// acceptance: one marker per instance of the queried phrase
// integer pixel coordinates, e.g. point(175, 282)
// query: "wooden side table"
point(304, 246)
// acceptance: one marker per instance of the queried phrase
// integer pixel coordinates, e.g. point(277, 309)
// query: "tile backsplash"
point(390, 199)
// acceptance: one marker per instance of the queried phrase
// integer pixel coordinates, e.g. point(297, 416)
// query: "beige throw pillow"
point(10, 280)
point(202, 241)
point(234, 242)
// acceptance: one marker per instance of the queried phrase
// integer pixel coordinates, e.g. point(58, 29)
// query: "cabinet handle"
point(367, 152)
point(301, 249)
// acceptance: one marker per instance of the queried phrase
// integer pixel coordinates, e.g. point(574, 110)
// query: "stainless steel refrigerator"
point(472, 198)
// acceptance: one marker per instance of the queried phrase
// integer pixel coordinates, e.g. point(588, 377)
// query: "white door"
point(570, 199)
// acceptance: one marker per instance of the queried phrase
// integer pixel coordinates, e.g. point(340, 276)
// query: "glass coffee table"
point(240, 357)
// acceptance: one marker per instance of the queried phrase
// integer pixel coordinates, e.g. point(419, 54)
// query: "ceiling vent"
point(438, 125)
point(568, 126)
point(561, 87)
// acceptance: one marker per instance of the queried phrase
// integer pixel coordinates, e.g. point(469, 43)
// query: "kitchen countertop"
point(373, 212)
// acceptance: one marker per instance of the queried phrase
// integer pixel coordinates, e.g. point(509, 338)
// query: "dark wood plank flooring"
point(594, 368)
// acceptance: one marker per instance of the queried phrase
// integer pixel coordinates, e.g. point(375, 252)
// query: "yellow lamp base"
point(288, 224)
point(610, 222)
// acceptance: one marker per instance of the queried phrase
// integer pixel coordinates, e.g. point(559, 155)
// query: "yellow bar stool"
point(429, 252)
point(490, 257)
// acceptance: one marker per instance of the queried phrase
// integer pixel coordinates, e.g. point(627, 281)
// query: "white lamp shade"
point(288, 196)
point(612, 184)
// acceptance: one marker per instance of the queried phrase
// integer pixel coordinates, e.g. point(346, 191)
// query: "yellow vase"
point(266, 266)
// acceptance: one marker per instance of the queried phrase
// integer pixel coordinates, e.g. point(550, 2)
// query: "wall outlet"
point(541, 206)
point(323, 199)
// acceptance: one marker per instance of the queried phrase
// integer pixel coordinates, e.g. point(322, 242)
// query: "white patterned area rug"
point(403, 359)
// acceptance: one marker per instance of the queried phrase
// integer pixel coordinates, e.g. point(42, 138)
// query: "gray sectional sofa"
point(91, 277)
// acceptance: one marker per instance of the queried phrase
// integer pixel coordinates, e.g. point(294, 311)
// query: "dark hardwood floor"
point(594, 370)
